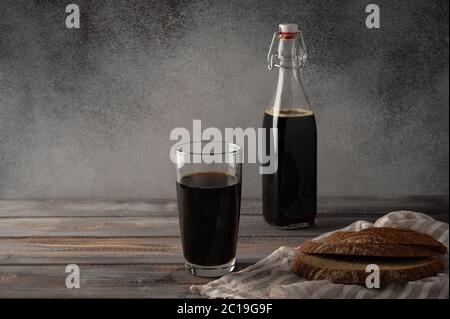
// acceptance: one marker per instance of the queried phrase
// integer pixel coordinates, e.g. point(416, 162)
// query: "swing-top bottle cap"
point(287, 48)
point(288, 28)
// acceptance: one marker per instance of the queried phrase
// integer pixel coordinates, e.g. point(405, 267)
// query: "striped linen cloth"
point(271, 276)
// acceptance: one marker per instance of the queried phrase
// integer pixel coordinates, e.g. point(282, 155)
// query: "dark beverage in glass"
point(209, 198)
point(209, 217)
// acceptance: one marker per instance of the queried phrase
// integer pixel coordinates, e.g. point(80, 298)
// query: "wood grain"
point(98, 281)
point(166, 208)
point(82, 250)
point(250, 225)
point(133, 249)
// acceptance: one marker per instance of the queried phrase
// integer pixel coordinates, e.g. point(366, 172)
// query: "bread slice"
point(388, 236)
point(376, 241)
point(357, 249)
point(352, 270)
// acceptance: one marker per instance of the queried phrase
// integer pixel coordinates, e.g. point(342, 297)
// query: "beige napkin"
point(271, 276)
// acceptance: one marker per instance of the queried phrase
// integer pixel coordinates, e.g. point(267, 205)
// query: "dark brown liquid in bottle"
point(290, 194)
point(209, 207)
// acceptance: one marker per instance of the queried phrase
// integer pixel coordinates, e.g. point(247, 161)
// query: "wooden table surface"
point(133, 250)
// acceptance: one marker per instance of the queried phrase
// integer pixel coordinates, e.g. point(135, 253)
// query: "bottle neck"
point(290, 94)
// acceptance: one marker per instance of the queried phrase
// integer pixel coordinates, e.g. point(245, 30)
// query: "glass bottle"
point(290, 193)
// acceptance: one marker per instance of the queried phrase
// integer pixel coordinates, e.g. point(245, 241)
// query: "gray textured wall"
point(87, 113)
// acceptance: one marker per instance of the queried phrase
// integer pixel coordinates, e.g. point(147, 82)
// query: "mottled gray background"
point(87, 113)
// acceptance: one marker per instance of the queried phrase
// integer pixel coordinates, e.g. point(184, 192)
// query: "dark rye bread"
point(322, 247)
point(352, 270)
point(387, 236)
point(376, 241)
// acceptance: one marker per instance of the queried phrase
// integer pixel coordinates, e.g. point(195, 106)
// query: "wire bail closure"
point(300, 53)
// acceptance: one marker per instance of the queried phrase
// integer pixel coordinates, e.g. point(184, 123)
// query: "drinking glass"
point(209, 198)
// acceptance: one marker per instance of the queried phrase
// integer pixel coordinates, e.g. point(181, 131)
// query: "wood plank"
point(86, 250)
point(98, 281)
point(250, 225)
point(167, 208)
point(86, 208)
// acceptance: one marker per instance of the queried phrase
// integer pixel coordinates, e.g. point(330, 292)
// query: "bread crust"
point(387, 236)
point(361, 249)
